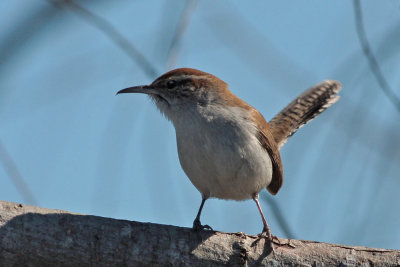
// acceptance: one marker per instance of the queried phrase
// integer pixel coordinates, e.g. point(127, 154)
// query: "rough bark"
point(33, 236)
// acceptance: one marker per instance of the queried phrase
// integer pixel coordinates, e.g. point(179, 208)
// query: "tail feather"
point(303, 109)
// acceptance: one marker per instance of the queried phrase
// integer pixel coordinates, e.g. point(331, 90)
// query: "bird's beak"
point(145, 89)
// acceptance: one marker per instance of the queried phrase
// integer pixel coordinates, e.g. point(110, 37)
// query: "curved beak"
point(145, 89)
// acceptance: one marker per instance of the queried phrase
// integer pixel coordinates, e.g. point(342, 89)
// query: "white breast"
point(219, 152)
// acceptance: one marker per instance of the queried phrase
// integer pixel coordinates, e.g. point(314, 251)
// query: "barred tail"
point(303, 109)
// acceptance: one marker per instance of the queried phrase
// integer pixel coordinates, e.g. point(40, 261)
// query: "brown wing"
point(268, 143)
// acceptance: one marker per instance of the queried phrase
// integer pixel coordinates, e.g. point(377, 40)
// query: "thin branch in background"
point(373, 63)
point(226, 27)
point(15, 176)
point(109, 30)
point(279, 216)
point(184, 20)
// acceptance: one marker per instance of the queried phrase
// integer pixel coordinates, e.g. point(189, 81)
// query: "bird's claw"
point(197, 226)
point(271, 238)
point(277, 241)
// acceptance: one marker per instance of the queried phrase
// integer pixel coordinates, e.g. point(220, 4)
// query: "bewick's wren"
point(225, 146)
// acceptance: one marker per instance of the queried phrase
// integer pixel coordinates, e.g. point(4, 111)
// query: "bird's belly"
point(232, 166)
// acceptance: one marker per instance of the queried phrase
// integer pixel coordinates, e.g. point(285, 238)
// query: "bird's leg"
point(266, 228)
point(196, 224)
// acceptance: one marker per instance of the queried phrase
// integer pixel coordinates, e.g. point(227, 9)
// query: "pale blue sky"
point(82, 149)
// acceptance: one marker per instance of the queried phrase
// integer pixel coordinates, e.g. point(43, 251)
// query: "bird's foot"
point(271, 238)
point(197, 226)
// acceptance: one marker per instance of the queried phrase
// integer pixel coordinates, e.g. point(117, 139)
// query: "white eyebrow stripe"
point(190, 76)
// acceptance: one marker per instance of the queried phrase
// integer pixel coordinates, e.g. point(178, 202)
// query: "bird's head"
point(183, 87)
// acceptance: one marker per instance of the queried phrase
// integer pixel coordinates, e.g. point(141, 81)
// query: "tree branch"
point(111, 32)
point(15, 176)
point(373, 63)
point(173, 51)
point(33, 236)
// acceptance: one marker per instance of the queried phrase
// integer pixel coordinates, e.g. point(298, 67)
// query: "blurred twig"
point(18, 36)
point(184, 20)
point(279, 216)
point(109, 30)
point(255, 49)
point(15, 176)
point(262, 56)
point(373, 63)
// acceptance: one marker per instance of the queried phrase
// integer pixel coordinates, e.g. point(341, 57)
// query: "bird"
point(225, 146)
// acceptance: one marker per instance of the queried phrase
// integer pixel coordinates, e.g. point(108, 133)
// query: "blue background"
point(80, 148)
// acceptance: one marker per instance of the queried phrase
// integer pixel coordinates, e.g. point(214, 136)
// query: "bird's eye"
point(171, 84)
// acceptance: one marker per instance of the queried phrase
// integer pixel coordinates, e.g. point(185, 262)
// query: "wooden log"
point(33, 236)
